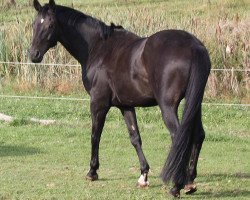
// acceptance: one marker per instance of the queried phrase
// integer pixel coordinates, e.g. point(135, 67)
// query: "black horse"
point(124, 70)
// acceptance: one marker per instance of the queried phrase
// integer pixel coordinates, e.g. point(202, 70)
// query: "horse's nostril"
point(37, 54)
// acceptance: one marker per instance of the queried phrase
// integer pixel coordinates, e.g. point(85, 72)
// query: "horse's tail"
point(176, 165)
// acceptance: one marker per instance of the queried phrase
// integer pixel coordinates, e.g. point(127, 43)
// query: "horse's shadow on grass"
point(203, 194)
point(10, 150)
point(222, 194)
point(222, 176)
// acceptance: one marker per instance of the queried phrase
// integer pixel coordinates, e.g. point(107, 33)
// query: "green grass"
point(50, 162)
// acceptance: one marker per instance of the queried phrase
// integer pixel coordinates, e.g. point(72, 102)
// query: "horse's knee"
point(135, 140)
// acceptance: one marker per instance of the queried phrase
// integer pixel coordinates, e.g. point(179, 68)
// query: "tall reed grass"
point(223, 26)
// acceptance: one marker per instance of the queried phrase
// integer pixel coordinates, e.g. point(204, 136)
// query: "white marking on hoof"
point(190, 188)
point(42, 20)
point(142, 181)
point(133, 128)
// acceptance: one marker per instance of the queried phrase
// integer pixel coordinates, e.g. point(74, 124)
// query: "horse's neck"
point(77, 42)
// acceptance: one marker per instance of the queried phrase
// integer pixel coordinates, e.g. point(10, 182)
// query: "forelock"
point(44, 11)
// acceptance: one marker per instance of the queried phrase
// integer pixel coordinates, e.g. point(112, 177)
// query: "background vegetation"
point(222, 25)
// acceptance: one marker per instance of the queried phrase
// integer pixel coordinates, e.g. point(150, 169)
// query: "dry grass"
point(222, 25)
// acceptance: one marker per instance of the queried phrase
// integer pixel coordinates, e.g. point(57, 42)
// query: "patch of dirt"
point(7, 118)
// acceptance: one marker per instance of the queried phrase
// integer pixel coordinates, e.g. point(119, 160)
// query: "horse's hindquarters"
point(167, 58)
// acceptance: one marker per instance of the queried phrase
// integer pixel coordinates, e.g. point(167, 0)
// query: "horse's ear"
point(52, 4)
point(37, 5)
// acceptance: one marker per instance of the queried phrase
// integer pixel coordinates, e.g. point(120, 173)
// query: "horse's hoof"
point(142, 184)
point(190, 188)
point(175, 192)
point(92, 177)
point(143, 181)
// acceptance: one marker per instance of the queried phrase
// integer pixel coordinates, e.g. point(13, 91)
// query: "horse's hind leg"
point(135, 138)
point(169, 100)
point(170, 117)
point(199, 136)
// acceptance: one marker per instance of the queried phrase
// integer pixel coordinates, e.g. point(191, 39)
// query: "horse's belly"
point(133, 101)
point(133, 93)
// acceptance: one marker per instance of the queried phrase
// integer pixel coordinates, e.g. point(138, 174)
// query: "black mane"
point(71, 17)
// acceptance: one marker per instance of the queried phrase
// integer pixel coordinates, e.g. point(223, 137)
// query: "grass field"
point(50, 162)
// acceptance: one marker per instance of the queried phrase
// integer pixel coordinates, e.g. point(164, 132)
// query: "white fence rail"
point(77, 65)
point(79, 99)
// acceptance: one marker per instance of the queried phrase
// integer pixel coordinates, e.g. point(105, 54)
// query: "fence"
point(79, 99)
point(77, 65)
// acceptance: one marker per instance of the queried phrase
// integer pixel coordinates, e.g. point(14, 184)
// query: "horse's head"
point(45, 30)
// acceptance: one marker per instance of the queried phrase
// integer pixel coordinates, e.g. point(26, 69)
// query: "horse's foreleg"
point(98, 115)
point(135, 138)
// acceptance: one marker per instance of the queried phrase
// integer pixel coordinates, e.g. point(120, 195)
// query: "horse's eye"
point(51, 26)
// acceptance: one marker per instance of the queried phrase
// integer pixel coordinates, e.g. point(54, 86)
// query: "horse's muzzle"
point(35, 56)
